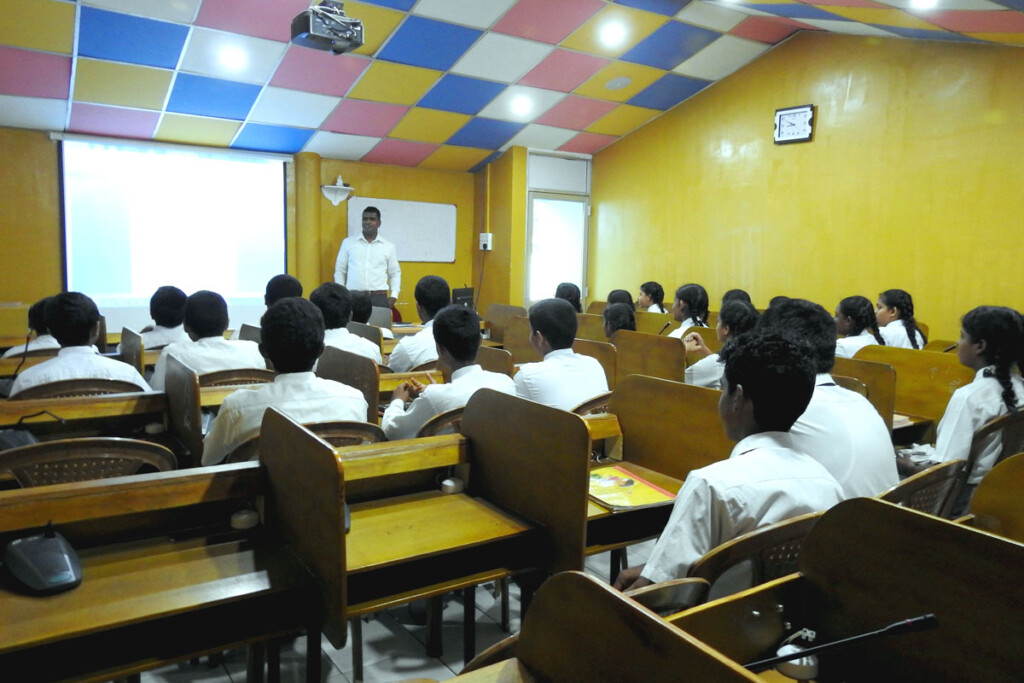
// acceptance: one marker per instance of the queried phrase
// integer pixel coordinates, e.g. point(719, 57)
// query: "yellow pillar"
point(304, 242)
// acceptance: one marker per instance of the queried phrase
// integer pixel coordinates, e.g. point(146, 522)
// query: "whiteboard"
point(420, 231)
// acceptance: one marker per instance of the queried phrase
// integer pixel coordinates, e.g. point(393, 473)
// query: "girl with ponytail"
point(895, 314)
point(856, 321)
point(690, 309)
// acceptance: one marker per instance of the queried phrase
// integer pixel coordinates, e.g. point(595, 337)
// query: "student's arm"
point(955, 431)
point(341, 264)
point(399, 361)
point(159, 371)
point(688, 535)
point(400, 422)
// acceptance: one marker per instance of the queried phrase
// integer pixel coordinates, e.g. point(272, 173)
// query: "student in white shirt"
point(282, 286)
point(335, 303)
point(571, 293)
point(618, 317)
point(857, 322)
point(652, 298)
point(895, 314)
point(292, 337)
point(167, 309)
point(37, 325)
point(432, 294)
point(564, 379)
point(690, 308)
point(457, 337)
point(768, 382)
point(362, 309)
point(735, 318)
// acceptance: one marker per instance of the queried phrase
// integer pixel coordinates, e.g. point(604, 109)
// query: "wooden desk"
point(639, 353)
point(110, 412)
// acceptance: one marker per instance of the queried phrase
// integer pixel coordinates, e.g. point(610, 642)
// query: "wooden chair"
point(422, 367)
point(605, 354)
point(132, 350)
point(655, 323)
point(880, 380)
point(710, 341)
point(997, 505)
point(517, 341)
point(240, 376)
point(637, 353)
point(932, 490)
point(590, 326)
point(367, 332)
point(338, 433)
point(940, 345)
point(356, 371)
point(496, 360)
point(37, 353)
point(67, 460)
point(1010, 430)
point(670, 597)
point(851, 383)
point(497, 318)
point(448, 422)
point(78, 387)
point(598, 404)
point(101, 338)
point(596, 307)
point(249, 332)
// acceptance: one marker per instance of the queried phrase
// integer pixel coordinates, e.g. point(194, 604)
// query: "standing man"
point(368, 263)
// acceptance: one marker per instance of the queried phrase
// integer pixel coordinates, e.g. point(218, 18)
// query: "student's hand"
point(695, 345)
point(407, 390)
point(630, 578)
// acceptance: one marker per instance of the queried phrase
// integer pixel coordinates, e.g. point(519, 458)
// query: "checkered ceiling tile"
point(444, 84)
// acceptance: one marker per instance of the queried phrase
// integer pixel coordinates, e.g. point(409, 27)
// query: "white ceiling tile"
point(721, 58)
point(501, 58)
point(340, 146)
point(849, 27)
point(946, 5)
point(33, 112)
point(292, 108)
point(739, 7)
point(715, 17)
point(542, 137)
point(504, 106)
point(477, 13)
point(181, 11)
point(232, 56)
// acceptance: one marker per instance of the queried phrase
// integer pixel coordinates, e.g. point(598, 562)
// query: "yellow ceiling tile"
point(197, 130)
point(637, 23)
point(428, 125)
point(640, 75)
point(126, 85)
point(882, 17)
point(1010, 38)
point(378, 24)
point(45, 25)
point(622, 120)
point(451, 158)
point(394, 83)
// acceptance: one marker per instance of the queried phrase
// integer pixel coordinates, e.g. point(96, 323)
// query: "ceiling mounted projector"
point(324, 26)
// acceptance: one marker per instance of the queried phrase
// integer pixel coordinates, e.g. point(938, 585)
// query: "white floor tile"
point(183, 672)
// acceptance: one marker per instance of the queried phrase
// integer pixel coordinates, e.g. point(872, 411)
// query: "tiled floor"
point(393, 646)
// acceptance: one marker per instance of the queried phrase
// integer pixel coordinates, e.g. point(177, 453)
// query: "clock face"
point(795, 124)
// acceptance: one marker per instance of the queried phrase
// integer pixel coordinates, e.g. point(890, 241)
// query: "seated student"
point(362, 308)
point(618, 317)
point(335, 303)
point(456, 331)
point(564, 379)
point(736, 317)
point(570, 293)
point(37, 325)
point(895, 314)
point(620, 296)
point(74, 321)
point(279, 287)
point(652, 298)
point(840, 428)
point(768, 381)
point(206, 318)
point(292, 337)
point(167, 309)
point(432, 294)
point(855, 320)
point(690, 308)
point(735, 295)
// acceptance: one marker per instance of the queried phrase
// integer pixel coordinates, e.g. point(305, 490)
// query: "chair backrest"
point(880, 379)
point(596, 307)
point(496, 360)
point(226, 378)
point(1010, 429)
point(356, 371)
point(932, 490)
point(997, 505)
point(602, 351)
point(710, 341)
point(380, 317)
point(851, 383)
point(429, 365)
point(925, 381)
point(369, 332)
point(448, 422)
point(249, 332)
point(132, 350)
point(767, 553)
point(101, 338)
point(590, 326)
point(940, 345)
point(184, 410)
point(78, 387)
point(37, 353)
point(517, 341)
point(498, 316)
point(338, 433)
point(638, 353)
point(68, 460)
point(598, 404)
point(654, 323)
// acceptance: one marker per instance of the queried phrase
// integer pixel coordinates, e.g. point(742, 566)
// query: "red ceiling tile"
point(545, 20)
point(563, 71)
point(976, 21)
point(34, 74)
point(400, 152)
point(357, 117)
point(576, 112)
point(764, 29)
point(271, 19)
point(114, 121)
point(587, 143)
point(319, 72)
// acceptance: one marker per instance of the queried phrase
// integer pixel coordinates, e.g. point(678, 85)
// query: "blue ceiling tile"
point(203, 96)
point(123, 38)
point(491, 157)
point(667, 7)
point(927, 34)
point(428, 43)
point(485, 133)
point(668, 91)
point(272, 138)
point(404, 5)
point(1012, 4)
point(461, 94)
point(667, 47)
point(797, 11)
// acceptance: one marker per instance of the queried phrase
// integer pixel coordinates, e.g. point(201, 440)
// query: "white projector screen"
point(137, 217)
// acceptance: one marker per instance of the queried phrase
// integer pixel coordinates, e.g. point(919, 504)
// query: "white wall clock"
point(794, 124)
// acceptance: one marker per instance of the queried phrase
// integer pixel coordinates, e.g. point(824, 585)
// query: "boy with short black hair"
point(335, 303)
point(456, 331)
point(564, 379)
point(292, 334)
point(432, 294)
point(167, 309)
point(74, 321)
point(362, 309)
point(37, 324)
point(767, 384)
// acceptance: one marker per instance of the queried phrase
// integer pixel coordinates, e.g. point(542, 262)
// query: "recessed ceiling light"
point(619, 83)
point(233, 58)
point(924, 4)
point(612, 34)
point(521, 105)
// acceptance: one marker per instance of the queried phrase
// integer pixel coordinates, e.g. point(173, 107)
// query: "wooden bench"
point(497, 318)
point(516, 340)
point(590, 326)
point(603, 352)
point(638, 353)
point(880, 380)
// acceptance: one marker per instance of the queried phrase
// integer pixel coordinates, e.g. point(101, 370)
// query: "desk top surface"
point(670, 484)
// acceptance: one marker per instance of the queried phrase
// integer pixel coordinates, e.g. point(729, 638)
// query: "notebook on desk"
point(617, 488)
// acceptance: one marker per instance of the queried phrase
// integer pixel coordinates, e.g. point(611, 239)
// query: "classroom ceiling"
point(438, 83)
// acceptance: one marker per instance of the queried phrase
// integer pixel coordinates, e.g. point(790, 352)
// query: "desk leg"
point(435, 613)
point(254, 665)
point(313, 653)
point(273, 660)
point(357, 649)
point(469, 623)
point(505, 625)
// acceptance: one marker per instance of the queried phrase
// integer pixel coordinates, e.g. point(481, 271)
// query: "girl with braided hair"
point(895, 314)
point(991, 343)
point(856, 321)
point(690, 309)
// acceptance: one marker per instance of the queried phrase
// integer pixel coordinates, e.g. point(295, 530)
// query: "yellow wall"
point(502, 212)
point(913, 180)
